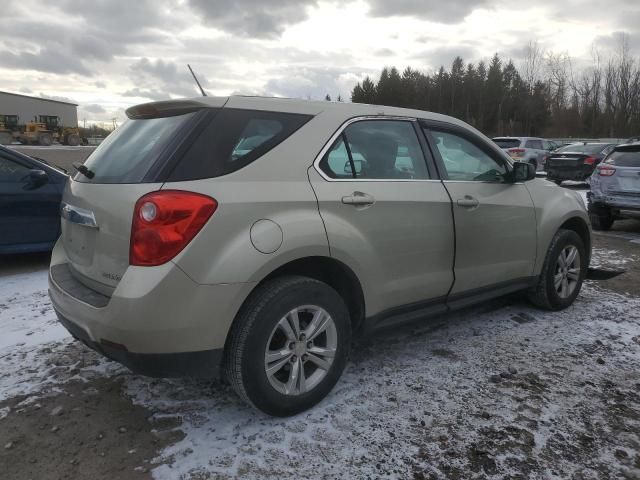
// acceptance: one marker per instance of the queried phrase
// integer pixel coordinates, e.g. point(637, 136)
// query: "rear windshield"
point(625, 159)
point(232, 139)
point(507, 142)
point(128, 153)
point(589, 148)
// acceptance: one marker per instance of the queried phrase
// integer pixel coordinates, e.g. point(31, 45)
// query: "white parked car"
point(527, 149)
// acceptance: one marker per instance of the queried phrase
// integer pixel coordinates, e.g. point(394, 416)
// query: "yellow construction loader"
point(8, 125)
point(47, 130)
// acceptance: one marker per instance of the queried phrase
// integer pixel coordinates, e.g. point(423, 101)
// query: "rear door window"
point(533, 144)
point(232, 139)
point(624, 159)
point(336, 162)
point(376, 149)
point(128, 153)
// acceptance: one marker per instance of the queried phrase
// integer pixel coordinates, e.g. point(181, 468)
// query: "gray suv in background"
point(259, 236)
point(615, 187)
point(527, 149)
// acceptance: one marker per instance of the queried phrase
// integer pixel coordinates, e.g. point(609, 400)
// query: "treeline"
point(543, 96)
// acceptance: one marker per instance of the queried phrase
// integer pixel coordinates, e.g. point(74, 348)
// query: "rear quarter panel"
point(554, 206)
point(274, 187)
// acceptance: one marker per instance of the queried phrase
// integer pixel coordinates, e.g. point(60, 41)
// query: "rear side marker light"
point(605, 170)
point(164, 222)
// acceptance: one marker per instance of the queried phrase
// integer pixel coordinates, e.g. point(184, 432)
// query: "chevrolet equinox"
point(255, 237)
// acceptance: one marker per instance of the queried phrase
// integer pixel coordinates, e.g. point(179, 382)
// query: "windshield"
point(128, 153)
point(589, 148)
point(507, 142)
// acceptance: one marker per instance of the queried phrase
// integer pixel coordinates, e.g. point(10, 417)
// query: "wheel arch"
point(580, 226)
point(334, 273)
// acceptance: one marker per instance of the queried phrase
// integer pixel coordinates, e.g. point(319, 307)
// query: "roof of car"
point(517, 138)
point(309, 107)
point(628, 147)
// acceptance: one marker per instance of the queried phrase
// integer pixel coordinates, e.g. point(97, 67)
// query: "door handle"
point(468, 202)
point(358, 199)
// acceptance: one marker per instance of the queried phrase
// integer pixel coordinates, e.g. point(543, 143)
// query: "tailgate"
point(96, 229)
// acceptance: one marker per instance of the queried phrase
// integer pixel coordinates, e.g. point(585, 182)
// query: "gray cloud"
point(94, 108)
point(252, 18)
point(71, 38)
point(58, 97)
point(47, 59)
point(611, 43)
point(444, 55)
point(384, 52)
point(314, 83)
point(160, 80)
point(450, 11)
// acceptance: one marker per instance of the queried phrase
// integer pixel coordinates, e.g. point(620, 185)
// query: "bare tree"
point(532, 67)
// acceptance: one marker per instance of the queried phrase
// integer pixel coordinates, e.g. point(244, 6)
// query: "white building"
point(28, 109)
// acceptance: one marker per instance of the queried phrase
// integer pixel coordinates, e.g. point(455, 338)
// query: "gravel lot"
point(497, 391)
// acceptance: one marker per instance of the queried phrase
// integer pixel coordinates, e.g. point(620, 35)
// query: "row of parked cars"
point(571, 161)
point(612, 170)
point(31, 188)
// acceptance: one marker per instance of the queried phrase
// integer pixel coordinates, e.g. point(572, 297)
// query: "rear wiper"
point(83, 170)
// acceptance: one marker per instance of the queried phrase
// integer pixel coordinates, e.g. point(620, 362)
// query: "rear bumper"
point(158, 321)
point(203, 364)
point(621, 202)
point(578, 175)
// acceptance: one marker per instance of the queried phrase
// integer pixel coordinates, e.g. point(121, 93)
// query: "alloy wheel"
point(567, 272)
point(300, 350)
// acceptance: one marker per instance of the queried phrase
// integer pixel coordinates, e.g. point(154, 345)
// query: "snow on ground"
point(496, 391)
point(431, 400)
point(27, 323)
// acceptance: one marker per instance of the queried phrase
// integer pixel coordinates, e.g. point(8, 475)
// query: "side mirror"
point(35, 179)
point(523, 172)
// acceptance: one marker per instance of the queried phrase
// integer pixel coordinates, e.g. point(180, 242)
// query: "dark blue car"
point(30, 195)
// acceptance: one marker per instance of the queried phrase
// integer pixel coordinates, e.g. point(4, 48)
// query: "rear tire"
point(551, 292)
point(266, 328)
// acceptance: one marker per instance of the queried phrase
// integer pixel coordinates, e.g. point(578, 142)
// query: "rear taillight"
point(590, 161)
point(605, 170)
point(516, 152)
point(164, 222)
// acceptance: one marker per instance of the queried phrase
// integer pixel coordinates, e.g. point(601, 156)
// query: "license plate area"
point(79, 242)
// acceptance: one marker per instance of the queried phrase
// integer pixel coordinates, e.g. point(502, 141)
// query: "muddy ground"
point(498, 391)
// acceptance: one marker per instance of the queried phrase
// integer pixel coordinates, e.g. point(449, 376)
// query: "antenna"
point(196, 79)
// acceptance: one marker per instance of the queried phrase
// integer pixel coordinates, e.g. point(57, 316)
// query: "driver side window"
point(465, 161)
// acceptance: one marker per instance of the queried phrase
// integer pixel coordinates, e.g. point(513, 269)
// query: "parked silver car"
point(527, 149)
point(261, 235)
point(615, 187)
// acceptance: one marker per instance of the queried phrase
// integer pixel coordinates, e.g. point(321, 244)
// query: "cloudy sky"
point(109, 54)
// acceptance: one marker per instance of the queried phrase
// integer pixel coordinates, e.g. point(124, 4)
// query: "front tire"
point(288, 345)
point(563, 272)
